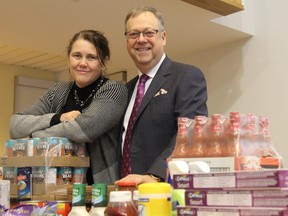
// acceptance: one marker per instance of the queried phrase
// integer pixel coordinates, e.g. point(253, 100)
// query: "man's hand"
point(137, 178)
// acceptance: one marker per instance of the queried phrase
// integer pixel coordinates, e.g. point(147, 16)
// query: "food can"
point(31, 146)
point(54, 146)
point(63, 208)
point(10, 173)
point(78, 175)
point(64, 175)
point(42, 146)
point(81, 150)
point(67, 147)
point(99, 195)
point(20, 147)
point(152, 196)
point(9, 145)
point(39, 175)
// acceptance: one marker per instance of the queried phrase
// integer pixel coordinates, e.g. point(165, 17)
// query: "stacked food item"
point(242, 141)
point(42, 168)
point(227, 166)
point(246, 193)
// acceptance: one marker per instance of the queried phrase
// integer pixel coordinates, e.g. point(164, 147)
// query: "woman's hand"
point(69, 116)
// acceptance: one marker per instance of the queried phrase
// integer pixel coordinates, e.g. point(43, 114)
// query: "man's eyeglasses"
point(150, 33)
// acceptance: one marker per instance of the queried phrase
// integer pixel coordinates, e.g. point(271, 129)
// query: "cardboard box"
point(223, 164)
point(241, 179)
point(49, 161)
point(237, 198)
point(209, 211)
point(231, 164)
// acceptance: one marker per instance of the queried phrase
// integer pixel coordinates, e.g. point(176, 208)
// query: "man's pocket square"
point(161, 92)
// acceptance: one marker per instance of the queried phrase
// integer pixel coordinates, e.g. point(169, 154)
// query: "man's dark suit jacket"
point(177, 90)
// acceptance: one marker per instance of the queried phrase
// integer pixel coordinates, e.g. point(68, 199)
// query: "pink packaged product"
point(241, 179)
point(208, 211)
point(237, 198)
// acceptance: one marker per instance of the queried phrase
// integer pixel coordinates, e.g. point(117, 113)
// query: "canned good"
point(39, 174)
point(42, 147)
point(20, 147)
point(67, 147)
point(9, 145)
point(78, 175)
point(64, 175)
point(81, 150)
point(63, 208)
point(54, 146)
point(10, 173)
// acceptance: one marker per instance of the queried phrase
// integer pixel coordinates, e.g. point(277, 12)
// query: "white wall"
point(251, 75)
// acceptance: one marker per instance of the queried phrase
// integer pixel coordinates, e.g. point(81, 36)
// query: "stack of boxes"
point(234, 193)
point(43, 168)
point(246, 176)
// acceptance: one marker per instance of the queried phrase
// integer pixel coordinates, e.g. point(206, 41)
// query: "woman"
point(85, 110)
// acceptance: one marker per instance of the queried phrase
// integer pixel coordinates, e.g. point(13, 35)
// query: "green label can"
point(99, 195)
point(79, 195)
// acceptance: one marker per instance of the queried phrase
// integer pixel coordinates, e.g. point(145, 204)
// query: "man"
point(172, 90)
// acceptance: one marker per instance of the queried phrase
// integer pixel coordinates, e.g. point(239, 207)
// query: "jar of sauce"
point(120, 204)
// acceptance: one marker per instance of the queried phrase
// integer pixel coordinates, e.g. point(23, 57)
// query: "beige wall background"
point(7, 76)
point(249, 76)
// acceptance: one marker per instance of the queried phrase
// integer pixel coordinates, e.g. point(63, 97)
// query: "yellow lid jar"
point(154, 199)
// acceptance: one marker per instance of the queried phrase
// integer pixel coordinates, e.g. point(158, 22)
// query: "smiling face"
point(145, 52)
point(83, 63)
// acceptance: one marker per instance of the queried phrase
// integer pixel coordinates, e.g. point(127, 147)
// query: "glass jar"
point(120, 204)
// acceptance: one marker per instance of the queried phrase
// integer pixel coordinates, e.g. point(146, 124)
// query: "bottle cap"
point(126, 184)
point(155, 188)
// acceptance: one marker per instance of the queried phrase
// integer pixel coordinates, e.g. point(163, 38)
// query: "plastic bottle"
point(248, 136)
point(155, 199)
point(99, 199)
point(120, 204)
point(198, 148)
point(79, 201)
point(216, 144)
point(182, 145)
point(233, 133)
point(266, 146)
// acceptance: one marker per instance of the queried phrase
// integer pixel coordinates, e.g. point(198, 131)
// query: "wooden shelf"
point(222, 7)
